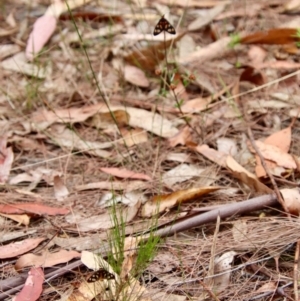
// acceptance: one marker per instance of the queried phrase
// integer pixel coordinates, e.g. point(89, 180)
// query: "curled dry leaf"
point(18, 248)
point(45, 260)
point(291, 199)
point(245, 176)
point(161, 203)
point(136, 76)
point(223, 266)
point(32, 209)
point(125, 173)
point(33, 286)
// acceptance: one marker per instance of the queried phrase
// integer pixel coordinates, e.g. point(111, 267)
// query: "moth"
point(100, 275)
point(163, 25)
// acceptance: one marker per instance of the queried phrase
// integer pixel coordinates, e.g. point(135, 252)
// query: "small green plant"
point(179, 104)
point(146, 250)
point(297, 35)
point(235, 39)
point(238, 64)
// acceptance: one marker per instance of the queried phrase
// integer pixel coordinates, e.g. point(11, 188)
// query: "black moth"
point(163, 25)
point(101, 275)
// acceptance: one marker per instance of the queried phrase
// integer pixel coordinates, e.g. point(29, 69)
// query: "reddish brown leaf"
point(18, 248)
point(147, 59)
point(90, 15)
point(32, 209)
point(33, 286)
point(252, 76)
point(277, 36)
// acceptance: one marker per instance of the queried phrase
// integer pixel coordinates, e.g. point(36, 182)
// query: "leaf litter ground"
point(178, 145)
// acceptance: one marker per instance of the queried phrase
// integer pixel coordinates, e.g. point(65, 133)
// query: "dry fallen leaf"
point(282, 140)
point(223, 266)
point(15, 235)
point(43, 29)
point(211, 154)
point(161, 203)
point(152, 122)
point(8, 50)
point(45, 260)
point(291, 199)
point(274, 153)
point(274, 36)
point(32, 209)
point(19, 218)
point(148, 58)
point(180, 174)
point(136, 76)
point(33, 286)
point(18, 63)
point(96, 262)
point(245, 176)
point(104, 221)
point(133, 137)
point(19, 248)
point(65, 137)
